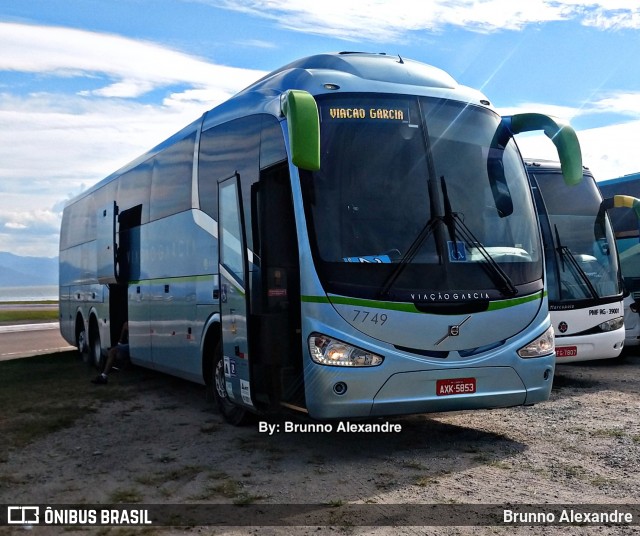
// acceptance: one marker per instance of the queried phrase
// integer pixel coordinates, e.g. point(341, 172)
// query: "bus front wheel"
point(232, 413)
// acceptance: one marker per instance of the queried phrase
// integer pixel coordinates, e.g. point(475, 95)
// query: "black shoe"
point(100, 380)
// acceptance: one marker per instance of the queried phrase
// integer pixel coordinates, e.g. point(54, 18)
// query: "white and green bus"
point(584, 281)
point(351, 236)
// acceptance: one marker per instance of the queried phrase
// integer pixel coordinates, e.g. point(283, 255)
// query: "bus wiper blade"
point(566, 254)
point(507, 286)
point(452, 219)
point(449, 218)
point(408, 256)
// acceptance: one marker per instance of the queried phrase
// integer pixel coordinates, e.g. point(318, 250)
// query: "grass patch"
point(42, 394)
point(29, 315)
point(414, 465)
point(125, 496)
point(181, 474)
point(228, 488)
point(609, 432)
point(426, 481)
point(246, 498)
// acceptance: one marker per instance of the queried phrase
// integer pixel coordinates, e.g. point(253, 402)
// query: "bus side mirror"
point(621, 201)
point(628, 202)
point(617, 201)
point(301, 111)
point(561, 134)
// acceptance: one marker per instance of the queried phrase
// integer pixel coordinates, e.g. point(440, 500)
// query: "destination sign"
point(368, 113)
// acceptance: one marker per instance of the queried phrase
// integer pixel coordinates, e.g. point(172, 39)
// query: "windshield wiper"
point(493, 268)
point(408, 256)
point(449, 218)
point(566, 254)
point(505, 285)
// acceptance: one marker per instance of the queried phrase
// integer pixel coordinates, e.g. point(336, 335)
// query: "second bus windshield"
point(581, 263)
point(416, 195)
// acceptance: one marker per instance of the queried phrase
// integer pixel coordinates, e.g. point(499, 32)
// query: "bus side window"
point(171, 179)
point(227, 149)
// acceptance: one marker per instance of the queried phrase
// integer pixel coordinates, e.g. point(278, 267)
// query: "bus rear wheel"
point(95, 347)
point(81, 342)
point(232, 413)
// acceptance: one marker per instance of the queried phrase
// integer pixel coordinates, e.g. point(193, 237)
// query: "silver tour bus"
point(351, 236)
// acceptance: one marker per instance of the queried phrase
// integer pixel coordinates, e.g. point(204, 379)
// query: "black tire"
point(231, 412)
point(82, 342)
point(95, 349)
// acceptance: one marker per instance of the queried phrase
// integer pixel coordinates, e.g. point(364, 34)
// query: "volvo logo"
point(453, 331)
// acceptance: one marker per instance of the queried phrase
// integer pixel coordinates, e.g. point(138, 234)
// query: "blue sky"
point(87, 85)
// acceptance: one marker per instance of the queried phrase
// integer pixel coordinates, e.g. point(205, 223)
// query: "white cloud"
point(563, 112)
point(54, 145)
point(136, 67)
point(611, 14)
point(43, 220)
point(609, 151)
point(384, 21)
point(627, 103)
point(623, 103)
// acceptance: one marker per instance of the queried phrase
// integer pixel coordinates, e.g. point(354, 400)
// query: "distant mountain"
point(17, 271)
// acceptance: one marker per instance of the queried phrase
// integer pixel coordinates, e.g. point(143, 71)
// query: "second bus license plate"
point(566, 351)
point(456, 386)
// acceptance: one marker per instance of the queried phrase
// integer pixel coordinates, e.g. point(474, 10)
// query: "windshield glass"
point(416, 197)
point(582, 263)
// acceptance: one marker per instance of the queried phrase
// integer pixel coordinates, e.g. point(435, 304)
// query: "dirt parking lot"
point(160, 442)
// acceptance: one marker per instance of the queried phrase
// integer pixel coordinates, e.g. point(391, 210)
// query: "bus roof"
point(632, 177)
point(343, 72)
point(367, 66)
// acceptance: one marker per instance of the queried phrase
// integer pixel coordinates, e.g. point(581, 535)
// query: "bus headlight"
point(328, 351)
point(613, 324)
point(543, 345)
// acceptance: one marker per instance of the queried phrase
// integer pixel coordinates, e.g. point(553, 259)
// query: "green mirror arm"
point(303, 123)
point(560, 133)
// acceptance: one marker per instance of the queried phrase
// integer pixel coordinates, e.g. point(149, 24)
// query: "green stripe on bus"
point(410, 307)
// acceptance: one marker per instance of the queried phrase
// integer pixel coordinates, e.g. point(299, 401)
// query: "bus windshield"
point(419, 196)
point(583, 264)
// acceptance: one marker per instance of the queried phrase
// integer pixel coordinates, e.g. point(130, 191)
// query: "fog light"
point(340, 388)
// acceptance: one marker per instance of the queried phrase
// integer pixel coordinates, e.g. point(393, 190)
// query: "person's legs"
point(111, 357)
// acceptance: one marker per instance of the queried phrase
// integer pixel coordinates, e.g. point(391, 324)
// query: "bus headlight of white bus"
point(326, 350)
point(543, 345)
point(612, 325)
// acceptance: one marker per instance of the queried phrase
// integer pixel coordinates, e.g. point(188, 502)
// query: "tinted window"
point(171, 179)
point(224, 150)
point(134, 189)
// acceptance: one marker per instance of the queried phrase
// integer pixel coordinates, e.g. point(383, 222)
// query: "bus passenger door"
point(234, 290)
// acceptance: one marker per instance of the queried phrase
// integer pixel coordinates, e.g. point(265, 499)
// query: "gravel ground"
point(164, 444)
